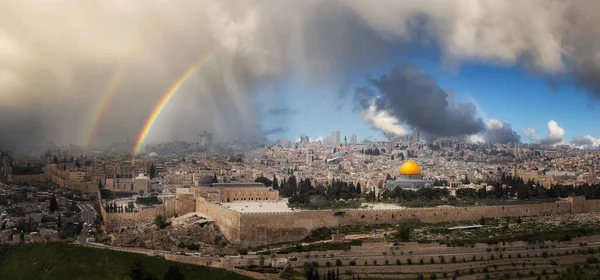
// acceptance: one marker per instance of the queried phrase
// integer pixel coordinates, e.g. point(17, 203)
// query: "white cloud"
point(475, 139)
point(531, 134)
point(383, 121)
point(586, 142)
point(319, 139)
point(494, 124)
point(555, 134)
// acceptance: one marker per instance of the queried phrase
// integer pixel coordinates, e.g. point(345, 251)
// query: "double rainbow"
point(101, 107)
point(167, 96)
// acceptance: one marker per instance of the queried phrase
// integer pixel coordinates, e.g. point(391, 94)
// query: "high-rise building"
point(415, 134)
point(205, 139)
point(335, 137)
point(304, 139)
point(353, 139)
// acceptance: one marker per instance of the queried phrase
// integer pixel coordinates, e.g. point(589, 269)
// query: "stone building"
point(410, 177)
point(234, 192)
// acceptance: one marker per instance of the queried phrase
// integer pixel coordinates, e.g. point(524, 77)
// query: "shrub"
point(386, 262)
point(353, 262)
point(409, 261)
point(328, 264)
point(398, 262)
point(338, 262)
point(591, 260)
point(453, 259)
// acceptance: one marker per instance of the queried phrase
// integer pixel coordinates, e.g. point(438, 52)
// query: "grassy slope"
point(64, 261)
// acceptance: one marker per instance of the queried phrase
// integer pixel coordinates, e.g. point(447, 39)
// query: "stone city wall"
point(115, 221)
point(29, 178)
point(227, 220)
point(265, 228)
point(177, 206)
point(181, 204)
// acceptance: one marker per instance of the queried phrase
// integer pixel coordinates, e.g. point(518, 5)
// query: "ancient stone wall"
point(114, 221)
point(172, 207)
point(265, 228)
point(29, 178)
point(591, 205)
point(181, 204)
point(227, 220)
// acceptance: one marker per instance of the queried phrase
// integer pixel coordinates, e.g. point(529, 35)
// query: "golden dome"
point(410, 167)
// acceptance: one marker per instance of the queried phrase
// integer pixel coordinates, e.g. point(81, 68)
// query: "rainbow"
point(165, 100)
point(101, 107)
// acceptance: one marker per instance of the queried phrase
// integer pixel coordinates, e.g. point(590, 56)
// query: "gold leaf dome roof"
point(410, 167)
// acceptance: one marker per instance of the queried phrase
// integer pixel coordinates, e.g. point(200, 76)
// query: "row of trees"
point(507, 188)
point(312, 273)
point(27, 170)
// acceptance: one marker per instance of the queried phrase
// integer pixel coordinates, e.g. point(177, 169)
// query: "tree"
point(161, 222)
point(264, 180)
point(53, 204)
point(138, 271)
point(403, 232)
point(173, 273)
point(55, 159)
point(214, 179)
point(58, 222)
point(152, 171)
point(74, 207)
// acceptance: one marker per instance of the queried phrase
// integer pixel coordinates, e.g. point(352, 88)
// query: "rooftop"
point(238, 185)
point(259, 207)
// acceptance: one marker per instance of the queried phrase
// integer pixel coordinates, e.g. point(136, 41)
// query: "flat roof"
point(238, 185)
point(259, 206)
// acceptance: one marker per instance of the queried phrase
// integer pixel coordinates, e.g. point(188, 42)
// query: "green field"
point(64, 261)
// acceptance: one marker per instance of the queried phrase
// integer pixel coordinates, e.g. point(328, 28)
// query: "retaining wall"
point(264, 228)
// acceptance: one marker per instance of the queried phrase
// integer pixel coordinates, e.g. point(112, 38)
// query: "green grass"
point(65, 261)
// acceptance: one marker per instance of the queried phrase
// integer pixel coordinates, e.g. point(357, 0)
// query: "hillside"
point(64, 261)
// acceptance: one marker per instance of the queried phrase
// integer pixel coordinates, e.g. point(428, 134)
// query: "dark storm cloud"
point(276, 130)
point(284, 111)
point(415, 98)
point(499, 132)
point(582, 141)
point(56, 59)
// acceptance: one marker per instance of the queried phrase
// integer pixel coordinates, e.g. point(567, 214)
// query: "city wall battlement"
point(256, 229)
point(180, 205)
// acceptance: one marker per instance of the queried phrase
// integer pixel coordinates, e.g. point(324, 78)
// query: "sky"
point(92, 73)
point(512, 94)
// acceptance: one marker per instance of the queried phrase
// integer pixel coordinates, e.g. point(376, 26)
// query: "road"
point(88, 214)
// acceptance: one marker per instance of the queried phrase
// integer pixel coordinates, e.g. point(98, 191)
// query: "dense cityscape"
point(152, 202)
